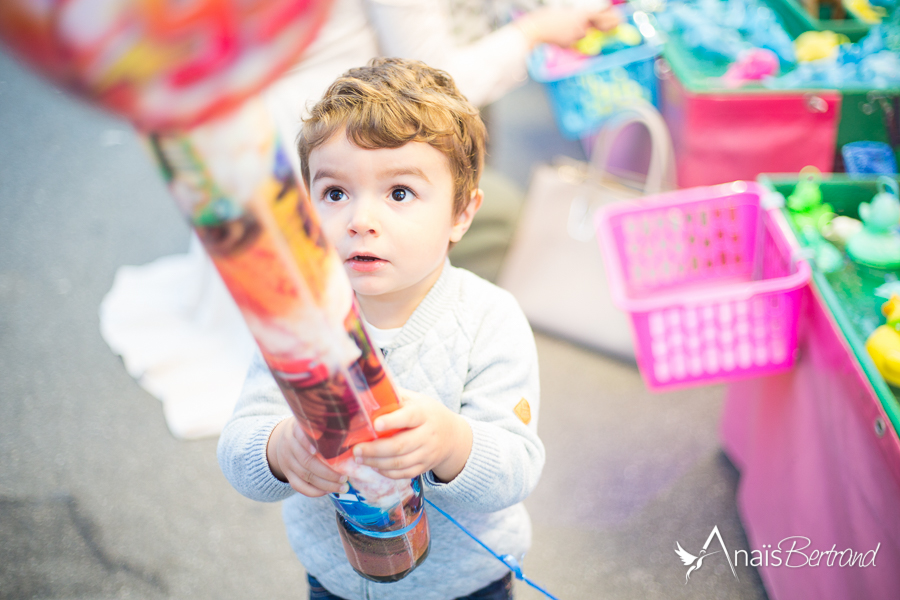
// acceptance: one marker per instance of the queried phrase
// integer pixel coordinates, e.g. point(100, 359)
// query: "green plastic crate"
point(862, 114)
point(850, 292)
point(863, 117)
point(699, 75)
point(796, 19)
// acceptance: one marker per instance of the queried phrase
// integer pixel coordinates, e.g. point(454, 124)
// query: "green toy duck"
point(805, 203)
point(884, 343)
point(878, 244)
point(810, 215)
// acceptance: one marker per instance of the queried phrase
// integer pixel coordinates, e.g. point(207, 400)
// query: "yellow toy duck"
point(816, 45)
point(865, 12)
point(884, 343)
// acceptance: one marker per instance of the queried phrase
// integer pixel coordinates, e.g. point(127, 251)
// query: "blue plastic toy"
point(869, 158)
point(723, 30)
point(763, 30)
point(869, 63)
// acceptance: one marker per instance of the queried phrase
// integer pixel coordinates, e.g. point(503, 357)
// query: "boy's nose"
point(363, 221)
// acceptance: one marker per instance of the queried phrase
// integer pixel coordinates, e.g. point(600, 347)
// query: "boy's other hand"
point(564, 26)
point(431, 437)
point(292, 459)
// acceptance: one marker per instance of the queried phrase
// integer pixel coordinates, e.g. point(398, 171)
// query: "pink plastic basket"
point(708, 278)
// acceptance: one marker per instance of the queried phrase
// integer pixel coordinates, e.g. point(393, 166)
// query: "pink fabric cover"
point(812, 465)
point(720, 137)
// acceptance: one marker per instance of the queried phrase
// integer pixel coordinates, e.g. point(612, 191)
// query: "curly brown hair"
point(391, 102)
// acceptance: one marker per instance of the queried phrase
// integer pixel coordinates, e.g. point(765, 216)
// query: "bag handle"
point(661, 173)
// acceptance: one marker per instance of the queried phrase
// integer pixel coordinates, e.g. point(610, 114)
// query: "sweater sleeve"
point(500, 401)
point(242, 445)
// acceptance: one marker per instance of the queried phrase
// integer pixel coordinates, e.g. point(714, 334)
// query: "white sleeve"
point(419, 29)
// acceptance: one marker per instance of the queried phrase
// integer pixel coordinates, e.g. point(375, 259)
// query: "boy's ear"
point(464, 220)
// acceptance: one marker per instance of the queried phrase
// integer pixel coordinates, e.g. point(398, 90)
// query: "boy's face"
point(389, 214)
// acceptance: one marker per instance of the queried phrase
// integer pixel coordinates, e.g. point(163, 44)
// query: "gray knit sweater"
point(469, 346)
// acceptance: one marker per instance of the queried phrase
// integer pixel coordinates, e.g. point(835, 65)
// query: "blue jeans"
point(499, 590)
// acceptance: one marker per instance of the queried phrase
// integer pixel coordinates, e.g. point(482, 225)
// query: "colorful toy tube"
point(163, 64)
point(233, 182)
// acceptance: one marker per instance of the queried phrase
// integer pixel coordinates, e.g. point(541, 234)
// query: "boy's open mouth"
point(364, 256)
point(365, 262)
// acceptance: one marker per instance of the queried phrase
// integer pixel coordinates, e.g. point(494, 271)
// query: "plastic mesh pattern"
point(720, 340)
point(693, 274)
point(582, 103)
point(707, 241)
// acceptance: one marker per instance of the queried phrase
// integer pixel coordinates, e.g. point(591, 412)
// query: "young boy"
point(392, 157)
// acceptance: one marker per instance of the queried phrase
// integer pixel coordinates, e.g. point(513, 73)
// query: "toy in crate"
point(585, 90)
point(709, 281)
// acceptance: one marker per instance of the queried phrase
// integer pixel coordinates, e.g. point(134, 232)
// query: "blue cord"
point(507, 559)
point(384, 534)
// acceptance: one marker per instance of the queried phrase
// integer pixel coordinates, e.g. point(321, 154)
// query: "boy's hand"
point(431, 438)
point(292, 459)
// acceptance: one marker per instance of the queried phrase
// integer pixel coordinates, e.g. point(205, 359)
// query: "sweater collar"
point(438, 300)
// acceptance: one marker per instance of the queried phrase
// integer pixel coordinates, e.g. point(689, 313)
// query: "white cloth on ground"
point(181, 337)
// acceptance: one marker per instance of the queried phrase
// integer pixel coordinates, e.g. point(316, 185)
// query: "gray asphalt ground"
point(99, 501)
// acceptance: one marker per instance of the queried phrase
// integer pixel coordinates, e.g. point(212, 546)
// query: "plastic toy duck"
point(805, 203)
point(878, 244)
point(810, 215)
point(560, 62)
point(865, 11)
point(816, 45)
point(884, 343)
point(752, 65)
point(596, 41)
point(840, 229)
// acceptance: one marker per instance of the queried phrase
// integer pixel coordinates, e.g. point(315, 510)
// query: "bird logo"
point(695, 562)
point(687, 558)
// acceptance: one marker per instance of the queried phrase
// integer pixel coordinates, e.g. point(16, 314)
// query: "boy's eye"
point(401, 195)
point(335, 195)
